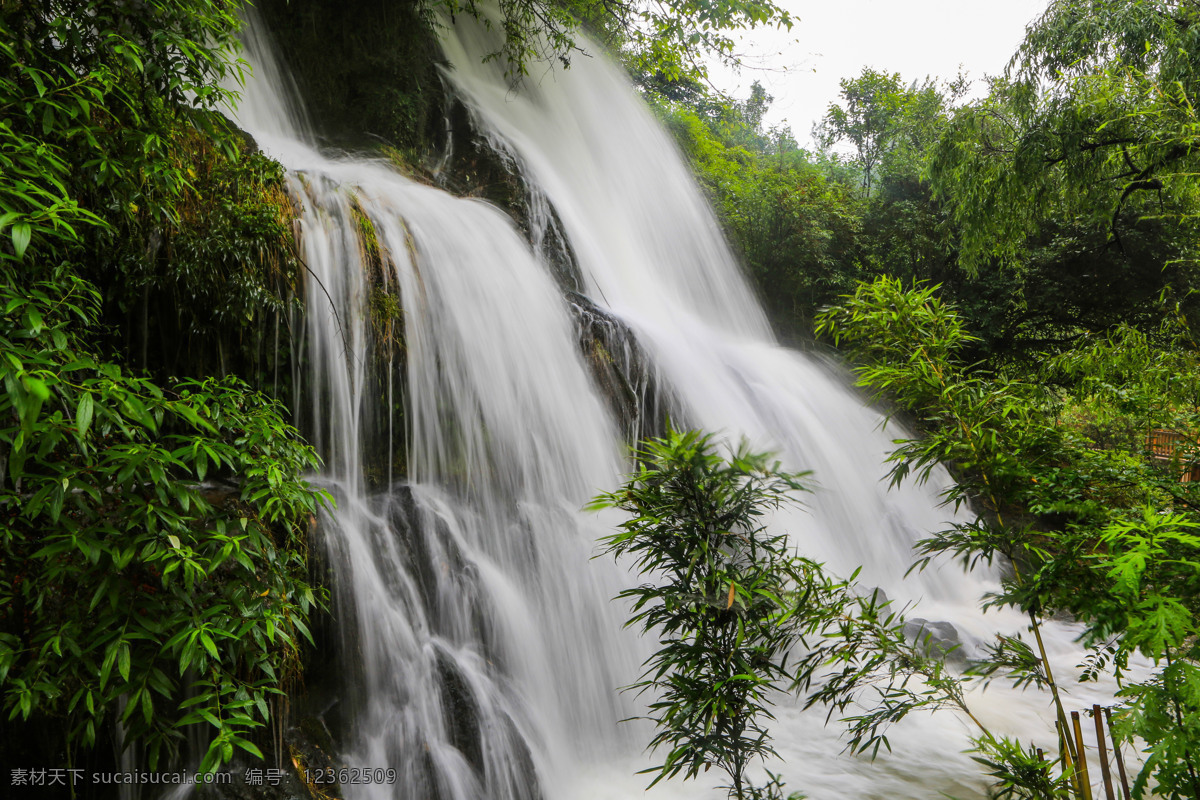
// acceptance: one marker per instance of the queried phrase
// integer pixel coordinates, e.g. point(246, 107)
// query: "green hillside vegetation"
point(1025, 297)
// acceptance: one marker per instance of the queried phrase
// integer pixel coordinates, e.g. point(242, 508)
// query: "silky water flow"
point(484, 649)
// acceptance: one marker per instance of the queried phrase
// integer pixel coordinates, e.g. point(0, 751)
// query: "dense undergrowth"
point(154, 514)
point(1075, 492)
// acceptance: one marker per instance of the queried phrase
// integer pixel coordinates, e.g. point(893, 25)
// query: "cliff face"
point(367, 70)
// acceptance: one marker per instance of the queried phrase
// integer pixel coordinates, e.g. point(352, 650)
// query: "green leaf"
point(83, 414)
point(249, 747)
point(37, 387)
point(209, 645)
point(21, 234)
point(123, 661)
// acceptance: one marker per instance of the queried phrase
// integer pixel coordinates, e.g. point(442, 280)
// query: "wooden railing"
point(1172, 447)
point(1075, 758)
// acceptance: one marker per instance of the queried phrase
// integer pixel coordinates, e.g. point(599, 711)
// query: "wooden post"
point(1068, 763)
point(1117, 755)
point(1085, 783)
point(1108, 787)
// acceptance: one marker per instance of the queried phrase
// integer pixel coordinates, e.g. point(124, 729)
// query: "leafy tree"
point(127, 582)
point(890, 124)
point(905, 231)
point(1094, 120)
point(1103, 533)
point(129, 588)
point(871, 103)
point(724, 602)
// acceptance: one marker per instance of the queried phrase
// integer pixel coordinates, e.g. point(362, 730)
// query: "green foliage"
point(1127, 383)
point(1153, 566)
point(793, 217)
point(889, 124)
point(1094, 121)
point(153, 534)
point(905, 230)
point(86, 93)
point(727, 604)
point(1020, 772)
point(1056, 237)
point(127, 579)
point(872, 101)
point(1068, 283)
point(228, 242)
point(724, 604)
point(1104, 534)
point(116, 162)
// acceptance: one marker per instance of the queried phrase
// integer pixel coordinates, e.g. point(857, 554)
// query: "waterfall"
point(483, 645)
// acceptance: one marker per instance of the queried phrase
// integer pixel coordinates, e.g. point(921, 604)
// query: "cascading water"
point(486, 648)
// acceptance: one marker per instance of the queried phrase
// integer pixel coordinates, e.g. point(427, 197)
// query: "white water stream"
point(485, 650)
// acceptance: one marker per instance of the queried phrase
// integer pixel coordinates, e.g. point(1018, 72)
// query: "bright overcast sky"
point(835, 40)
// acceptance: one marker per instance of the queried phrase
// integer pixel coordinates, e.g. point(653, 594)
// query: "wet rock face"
point(367, 69)
point(303, 769)
point(461, 713)
point(937, 638)
point(621, 370)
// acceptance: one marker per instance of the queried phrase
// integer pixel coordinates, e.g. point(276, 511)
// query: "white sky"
point(835, 39)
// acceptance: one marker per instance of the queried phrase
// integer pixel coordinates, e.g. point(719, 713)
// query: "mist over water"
point(484, 650)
